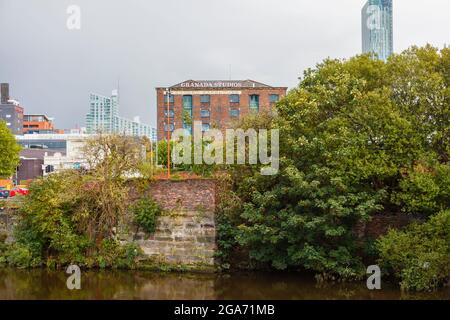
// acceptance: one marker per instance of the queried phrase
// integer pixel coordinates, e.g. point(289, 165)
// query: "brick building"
point(215, 103)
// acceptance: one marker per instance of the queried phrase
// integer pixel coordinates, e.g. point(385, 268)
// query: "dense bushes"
point(73, 217)
point(146, 212)
point(420, 255)
point(424, 189)
point(9, 151)
point(357, 138)
point(51, 233)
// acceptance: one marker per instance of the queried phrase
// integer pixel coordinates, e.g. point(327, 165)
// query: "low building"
point(215, 103)
point(32, 164)
point(59, 151)
point(39, 123)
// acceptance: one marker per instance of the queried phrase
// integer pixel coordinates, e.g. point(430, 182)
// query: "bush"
point(351, 137)
point(425, 190)
point(420, 255)
point(20, 256)
point(146, 212)
point(112, 254)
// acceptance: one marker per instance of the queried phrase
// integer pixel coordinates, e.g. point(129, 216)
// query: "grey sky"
point(150, 43)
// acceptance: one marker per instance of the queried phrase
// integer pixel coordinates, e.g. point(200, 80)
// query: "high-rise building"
point(10, 111)
point(377, 28)
point(104, 117)
point(217, 104)
point(102, 112)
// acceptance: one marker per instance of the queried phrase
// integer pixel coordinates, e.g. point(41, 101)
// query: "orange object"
point(7, 184)
point(36, 122)
point(168, 134)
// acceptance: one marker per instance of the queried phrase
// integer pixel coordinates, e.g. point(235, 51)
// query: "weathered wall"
point(7, 224)
point(380, 224)
point(186, 234)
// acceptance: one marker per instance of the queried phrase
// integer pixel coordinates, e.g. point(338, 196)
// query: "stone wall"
point(186, 233)
point(380, 224)
point(7, 224)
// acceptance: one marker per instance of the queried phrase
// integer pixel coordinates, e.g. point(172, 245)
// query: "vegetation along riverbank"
point(359, 139)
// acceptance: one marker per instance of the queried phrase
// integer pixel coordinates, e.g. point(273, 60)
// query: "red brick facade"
point(220, 111)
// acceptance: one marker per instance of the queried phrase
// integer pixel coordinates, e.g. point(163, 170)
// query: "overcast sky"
point(150, 43)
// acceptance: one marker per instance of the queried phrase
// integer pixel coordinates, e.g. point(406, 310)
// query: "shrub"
point(425, 190)
point(146, 211)
point(3, 248)
point(20, 256)
point(351, 137)
point(420, 255)
point(112, 254)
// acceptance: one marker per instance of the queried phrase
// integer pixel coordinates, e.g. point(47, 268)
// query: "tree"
point(9, 151)
point(352, 136)
point(74, 216)
point(112, 159)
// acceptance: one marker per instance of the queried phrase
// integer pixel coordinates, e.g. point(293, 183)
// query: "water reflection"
point(100, 285)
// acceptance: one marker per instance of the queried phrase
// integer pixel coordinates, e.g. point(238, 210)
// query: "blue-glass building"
point(377, 28)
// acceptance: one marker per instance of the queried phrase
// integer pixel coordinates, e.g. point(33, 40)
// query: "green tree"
point(351, 137)
point(419, 256)
point(74, 216)
point(9, 151)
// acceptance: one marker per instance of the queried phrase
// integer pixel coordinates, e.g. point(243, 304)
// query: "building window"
point(204, 113)
point(187, 102)
point(187, 108)
point(206, 127)
point(234, 98)
point(274, 98)
point(171, 126)
point(171, 98)
point(234, 113)
point(171, 114)
point(254, 102)
point(49, 169)
point(205, 98)
point(187, 127)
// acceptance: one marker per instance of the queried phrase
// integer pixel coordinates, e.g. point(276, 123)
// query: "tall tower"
point(4, 93)
point(377, 28)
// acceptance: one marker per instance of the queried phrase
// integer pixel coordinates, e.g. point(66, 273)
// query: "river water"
point(100, 285)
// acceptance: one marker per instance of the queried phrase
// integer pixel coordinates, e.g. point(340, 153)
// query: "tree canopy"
point(9, 152)
point(358, 137)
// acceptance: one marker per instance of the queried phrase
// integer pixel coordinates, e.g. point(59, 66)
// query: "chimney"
point(4, 93)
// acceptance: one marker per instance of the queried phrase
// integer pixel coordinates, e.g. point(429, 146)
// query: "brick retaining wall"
point(186, 233)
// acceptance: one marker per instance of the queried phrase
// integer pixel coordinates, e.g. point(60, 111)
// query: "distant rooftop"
point(35, 117)
point(40, 153)
point(202, 84)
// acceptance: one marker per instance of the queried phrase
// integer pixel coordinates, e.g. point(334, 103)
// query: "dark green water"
point(99, 285)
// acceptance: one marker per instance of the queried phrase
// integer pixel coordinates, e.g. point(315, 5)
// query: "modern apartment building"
point(377, 28)
point(104, 117)
point(10, 111)
point(102, 113)
point(39, 123)
point(215, 103)
point(134, 128)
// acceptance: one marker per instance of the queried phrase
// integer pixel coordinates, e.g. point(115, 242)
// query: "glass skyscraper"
point(377, 28)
